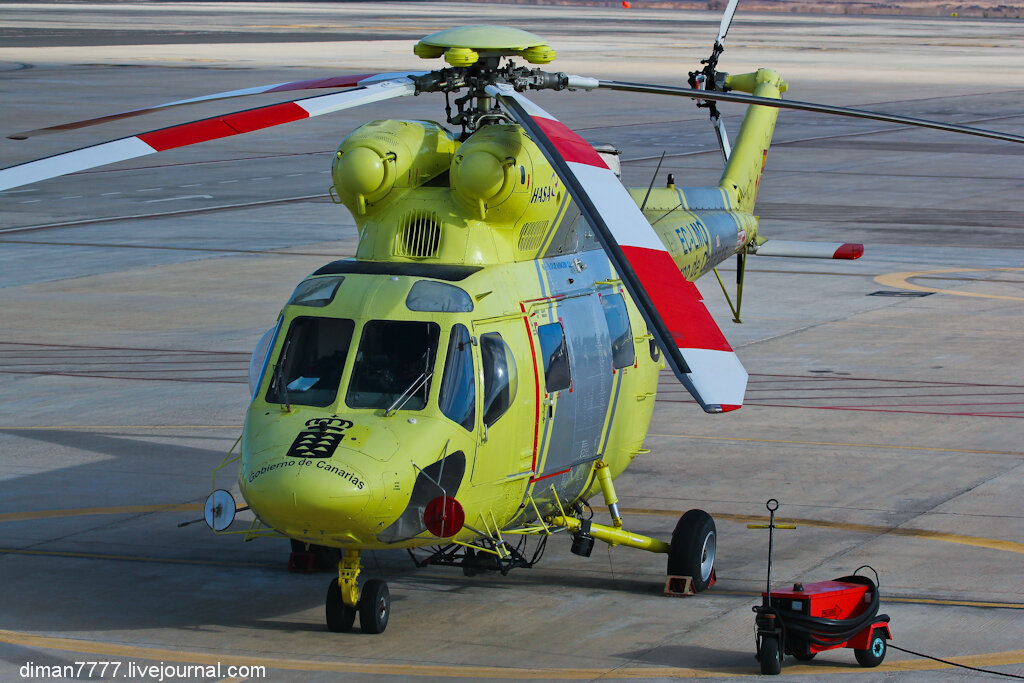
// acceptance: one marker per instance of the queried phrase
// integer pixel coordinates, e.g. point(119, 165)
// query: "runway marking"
point(137, 558)
point(107, 427)
point(163, 214)
point(184, 196)
point(975, 541)
point(910, 601)
point(31, 640)
point(84, 512)
point(846, 445)
point(899, 280)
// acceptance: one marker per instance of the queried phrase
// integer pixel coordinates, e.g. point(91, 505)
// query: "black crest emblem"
point(320, 438)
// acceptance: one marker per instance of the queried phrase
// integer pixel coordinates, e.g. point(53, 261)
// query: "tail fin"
point(742, 174)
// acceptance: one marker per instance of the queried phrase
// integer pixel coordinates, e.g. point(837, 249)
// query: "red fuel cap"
point(444, 516)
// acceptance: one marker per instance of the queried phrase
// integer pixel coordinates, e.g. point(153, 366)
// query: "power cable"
point(946, 661)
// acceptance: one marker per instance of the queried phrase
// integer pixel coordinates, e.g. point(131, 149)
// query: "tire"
point(374, 606)
point(805, 657)
point(768, 656)
point(340, 616)
point(875, 653)
point(692, 552)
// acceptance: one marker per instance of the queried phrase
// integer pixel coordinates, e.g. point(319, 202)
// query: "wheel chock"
point(302, 563)
point(682, 586)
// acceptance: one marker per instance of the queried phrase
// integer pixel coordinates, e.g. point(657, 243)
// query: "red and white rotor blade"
point(694, 347)
point(311, 84)
point(200, 131)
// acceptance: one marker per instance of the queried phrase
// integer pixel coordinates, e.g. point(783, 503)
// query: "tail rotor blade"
point(723, 137)
point(199, 131)
point(723, 29)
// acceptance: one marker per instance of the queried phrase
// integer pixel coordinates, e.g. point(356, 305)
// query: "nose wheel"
point(345, 600)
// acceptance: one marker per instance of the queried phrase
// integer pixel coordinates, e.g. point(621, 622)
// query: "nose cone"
point(321, 498)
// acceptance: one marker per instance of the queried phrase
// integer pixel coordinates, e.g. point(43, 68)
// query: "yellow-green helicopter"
point(488, 362)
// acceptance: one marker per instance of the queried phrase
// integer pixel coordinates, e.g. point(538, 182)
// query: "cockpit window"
point(316, 292)
point(394, 365)
point(308, 367)
point(457, 399)
point(499, 376)
point(427, 295)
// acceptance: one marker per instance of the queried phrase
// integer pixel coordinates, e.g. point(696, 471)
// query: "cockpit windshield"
point(308, 367)
point(394, 365)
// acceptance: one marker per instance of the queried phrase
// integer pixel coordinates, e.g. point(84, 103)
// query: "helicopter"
point(488, 361)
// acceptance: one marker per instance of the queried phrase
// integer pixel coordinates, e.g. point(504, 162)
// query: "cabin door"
point(506, 401)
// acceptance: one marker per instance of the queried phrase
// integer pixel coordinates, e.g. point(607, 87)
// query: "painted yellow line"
point(899, 281)
point(840, 444)
point(128, 427)
point(955, 603)
point(84, 512)
point(976, 541)
point(125, 650)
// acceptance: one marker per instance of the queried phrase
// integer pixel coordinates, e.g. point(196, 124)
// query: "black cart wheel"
point(340, 616)
point(805, 657)
point(374, 606)
point(875, 653)
point(692, 552)
point(768, 655)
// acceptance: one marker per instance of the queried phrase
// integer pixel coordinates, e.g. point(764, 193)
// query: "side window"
point(556, 357)
point(458, 391)
point(499, 376)
point(623, 353)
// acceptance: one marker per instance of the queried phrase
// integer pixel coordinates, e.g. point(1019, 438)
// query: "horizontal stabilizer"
point(795, 249)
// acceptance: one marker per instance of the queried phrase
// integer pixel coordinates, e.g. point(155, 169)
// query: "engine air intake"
point(419, 235)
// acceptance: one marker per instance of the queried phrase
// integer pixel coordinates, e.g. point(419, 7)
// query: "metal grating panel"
point(532, 235)
point(419, 235)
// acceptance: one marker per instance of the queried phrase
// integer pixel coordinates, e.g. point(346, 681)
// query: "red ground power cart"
point(814, 617)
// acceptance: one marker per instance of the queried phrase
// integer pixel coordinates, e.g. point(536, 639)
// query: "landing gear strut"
point(344, 599)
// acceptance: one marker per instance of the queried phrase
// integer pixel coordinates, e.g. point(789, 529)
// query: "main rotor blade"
point(743, 98)
point(723, 28)
point(675, 314)
point(311, 84)
point(199, 131)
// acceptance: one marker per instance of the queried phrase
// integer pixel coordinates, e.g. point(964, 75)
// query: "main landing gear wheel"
point(374, 606)
point(875, 653)
point(692, 552)
point(340, 616)
point(769, 657)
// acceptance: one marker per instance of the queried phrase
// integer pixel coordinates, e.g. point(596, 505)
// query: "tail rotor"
point(708, 78)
